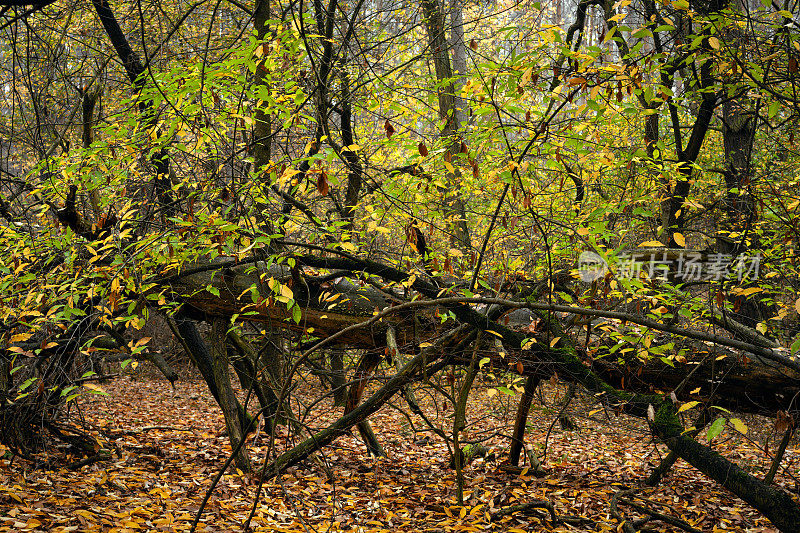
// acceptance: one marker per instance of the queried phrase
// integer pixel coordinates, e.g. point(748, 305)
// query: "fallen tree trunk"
point(762, 383)
point(541, 358)
point(777, 505)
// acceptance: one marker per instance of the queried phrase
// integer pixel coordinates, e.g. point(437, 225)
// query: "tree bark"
point(364, 369)
point(338, 382)
point(227, 398)
point(261, 145)
point(524, 406)
point(136, 74)
point(774, 503)
point(455, 204)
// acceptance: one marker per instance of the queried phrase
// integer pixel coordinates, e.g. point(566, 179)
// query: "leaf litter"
point(167, 445)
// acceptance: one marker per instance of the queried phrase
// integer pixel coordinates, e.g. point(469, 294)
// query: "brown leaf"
point(783, 422)
point(792, 64)
point(448, 265)
point(322, 183)
point(423, 150)
point(473, 44)
point(416, 239)
point(387, 126)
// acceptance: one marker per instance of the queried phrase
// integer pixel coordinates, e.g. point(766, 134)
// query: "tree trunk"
point(135, 70)
point(738, 134)
point(774, 503)
point(524, 406)
point(364, 370)
point(261, 145)
point(456, 206)
point(245, 363)
point(338, 381)
point(227, 397)
point(460, 419)
point(197, 351)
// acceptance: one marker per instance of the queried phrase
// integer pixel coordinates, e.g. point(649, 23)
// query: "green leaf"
point(26, 384)
point(715, 429)
point(795, 345)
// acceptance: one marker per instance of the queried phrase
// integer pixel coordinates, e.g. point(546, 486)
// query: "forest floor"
point(169, 444)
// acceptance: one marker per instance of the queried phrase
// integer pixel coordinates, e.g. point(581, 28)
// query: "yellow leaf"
point(21, 337)
point(94, 387)
point(554, 341)
point(494, 333)
point(491, 392)
point(687, 406)
point(748, 291)
point(526, 77)
point(797, 305)
point(650, 244)
point(762, 328)
point(287, 292)
point(695, 391)
point(475, 510)
point(713, 42)
point(679, 239)
point(738, 425)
